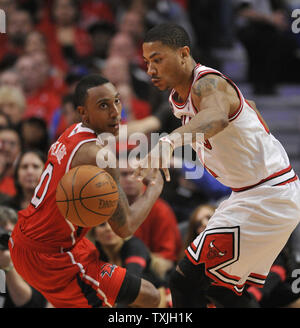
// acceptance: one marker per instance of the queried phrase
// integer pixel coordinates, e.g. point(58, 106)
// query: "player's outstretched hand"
point(158, 158)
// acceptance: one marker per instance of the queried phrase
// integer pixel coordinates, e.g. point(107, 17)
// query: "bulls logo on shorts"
point(216, 248)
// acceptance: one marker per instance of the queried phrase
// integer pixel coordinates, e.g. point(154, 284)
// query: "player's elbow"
point(217, 125)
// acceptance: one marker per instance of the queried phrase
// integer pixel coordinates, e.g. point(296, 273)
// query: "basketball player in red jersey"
point(249, 229)
point(50, 252)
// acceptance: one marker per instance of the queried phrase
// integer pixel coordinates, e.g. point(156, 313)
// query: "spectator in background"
point(122, 45)
point(159, 231)
point(9, 6)
point(63, 29)
point(167, 11)
point(34, 134)
point(65, 116)
point(116, 69)
point(101, 33)
point(96, 10)
point(36, 42)
point(205, 17)
point(27, 174)
point(69, 110)
point(10, 150)
point(19, 24)
point(41, 102)
point(130, 253)
point(19, 293)
point(196, 224)
point(50, 80)
point(132, 23)
point(11, 78)
point(4, 121)
point(264, 30)
point(12, 103)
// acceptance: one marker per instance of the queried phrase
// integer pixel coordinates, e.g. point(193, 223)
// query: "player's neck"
point(183, 88)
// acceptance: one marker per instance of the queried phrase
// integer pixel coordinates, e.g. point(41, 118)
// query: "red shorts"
point(76, 278)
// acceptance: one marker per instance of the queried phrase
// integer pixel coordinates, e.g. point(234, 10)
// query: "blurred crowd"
point(50, 44)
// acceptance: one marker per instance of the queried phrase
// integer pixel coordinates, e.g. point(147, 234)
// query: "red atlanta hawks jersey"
point(245, 153)
point(41, 221)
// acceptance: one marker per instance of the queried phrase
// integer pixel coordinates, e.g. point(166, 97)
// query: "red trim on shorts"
point(136, 259)
point(280, 271)
point(255, 292)
point(275, 175)
point(288, 181)
point(227, 275)
point(257, 276)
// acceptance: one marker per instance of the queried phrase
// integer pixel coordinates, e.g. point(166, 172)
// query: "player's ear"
point(83, 113)
point(184, 52)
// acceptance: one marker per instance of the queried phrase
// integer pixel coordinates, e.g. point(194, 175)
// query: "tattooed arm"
point(215, 99)
point(127, 218)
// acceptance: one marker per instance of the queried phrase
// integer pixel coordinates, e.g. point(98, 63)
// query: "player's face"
point(163, 64)
point(102, 109)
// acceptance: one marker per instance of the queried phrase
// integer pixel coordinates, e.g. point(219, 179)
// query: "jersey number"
point(42, 187)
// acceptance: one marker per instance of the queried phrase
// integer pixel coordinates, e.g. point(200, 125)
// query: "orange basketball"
point(87, 196)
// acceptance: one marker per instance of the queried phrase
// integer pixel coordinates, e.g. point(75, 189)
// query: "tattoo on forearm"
point(204, 86)
point(119, 216)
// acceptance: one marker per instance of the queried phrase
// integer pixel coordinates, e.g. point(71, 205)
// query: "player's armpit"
point(86, 154)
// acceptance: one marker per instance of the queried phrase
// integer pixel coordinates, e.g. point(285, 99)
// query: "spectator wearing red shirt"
point(159, 231)
point(19, 24)
point(10, 149)
point(61, 27)
point(96, 10)
point(116, 69)
point(41, 101)
point(36, 42)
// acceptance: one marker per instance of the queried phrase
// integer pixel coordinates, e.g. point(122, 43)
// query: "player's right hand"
point(158, 158)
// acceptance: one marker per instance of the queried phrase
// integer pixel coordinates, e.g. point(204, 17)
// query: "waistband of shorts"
point(277, 179)
point(19, 238)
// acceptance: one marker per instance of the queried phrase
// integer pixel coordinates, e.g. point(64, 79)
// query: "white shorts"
point(245, 235)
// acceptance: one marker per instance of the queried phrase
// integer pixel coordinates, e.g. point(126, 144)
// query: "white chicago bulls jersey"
point(245, 153)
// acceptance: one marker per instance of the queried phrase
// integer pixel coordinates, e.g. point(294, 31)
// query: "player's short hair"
point(87, 82)
point(169, 34)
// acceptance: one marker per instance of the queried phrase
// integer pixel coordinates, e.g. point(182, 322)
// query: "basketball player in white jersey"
point(249, 229)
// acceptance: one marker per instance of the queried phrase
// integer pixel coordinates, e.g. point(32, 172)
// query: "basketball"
point(87, 196)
